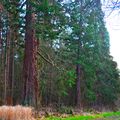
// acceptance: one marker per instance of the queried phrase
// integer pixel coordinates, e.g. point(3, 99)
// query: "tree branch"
point(45, 58)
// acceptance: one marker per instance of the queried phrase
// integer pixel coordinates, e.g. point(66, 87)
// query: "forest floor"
point(101, 116)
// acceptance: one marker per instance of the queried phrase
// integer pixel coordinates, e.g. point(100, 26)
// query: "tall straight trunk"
point(11, 70)
point(1, 45)
point(78, 86)
point(6, 68)
point(0, 38)
point(30, 93)
point(78, 76)
point(14, 29)
point(2, 61)
point(10, 61)
point(1, 64)
point(13, 16)
point(9, 58)
point(78, 66)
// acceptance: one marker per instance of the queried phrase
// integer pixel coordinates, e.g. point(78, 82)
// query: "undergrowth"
point(87, 117)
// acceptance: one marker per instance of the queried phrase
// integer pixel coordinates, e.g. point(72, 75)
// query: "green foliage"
point(70, 78)
point(90, 95)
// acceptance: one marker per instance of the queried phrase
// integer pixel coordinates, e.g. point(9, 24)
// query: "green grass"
point(87, 117)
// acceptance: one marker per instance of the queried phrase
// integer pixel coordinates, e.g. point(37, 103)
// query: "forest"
point(56, 53)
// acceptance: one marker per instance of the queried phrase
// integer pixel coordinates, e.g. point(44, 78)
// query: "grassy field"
point(102, 116)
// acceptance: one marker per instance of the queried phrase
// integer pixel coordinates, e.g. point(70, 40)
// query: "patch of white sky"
point(112, 20)
point(67, 1)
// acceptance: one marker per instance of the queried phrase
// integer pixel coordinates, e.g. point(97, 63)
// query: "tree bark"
point(11, 70)
point(78, 99)
point(30, 93)
point(6, 68)
point(78, 66)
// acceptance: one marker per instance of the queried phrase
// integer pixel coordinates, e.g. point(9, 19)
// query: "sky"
point(112, 20)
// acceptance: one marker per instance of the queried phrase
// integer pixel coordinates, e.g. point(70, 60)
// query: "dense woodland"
point(56, 53)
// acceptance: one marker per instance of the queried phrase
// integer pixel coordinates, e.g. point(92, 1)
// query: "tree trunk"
point(78, 66)
point(78, 86)
point(11, 70)
point(6, 71)
point(30, 93)
point(1, 59)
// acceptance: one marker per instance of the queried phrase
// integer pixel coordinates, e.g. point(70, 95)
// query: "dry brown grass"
point(16, 113)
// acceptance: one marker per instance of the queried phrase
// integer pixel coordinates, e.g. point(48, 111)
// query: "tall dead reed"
point(16, 113)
